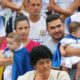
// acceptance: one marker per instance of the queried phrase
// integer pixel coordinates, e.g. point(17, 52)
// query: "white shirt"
point(53, 75)
point(38, 30)
point(51, 45)
point(75, 17)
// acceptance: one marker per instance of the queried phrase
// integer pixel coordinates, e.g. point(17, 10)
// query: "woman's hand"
point(38, 76)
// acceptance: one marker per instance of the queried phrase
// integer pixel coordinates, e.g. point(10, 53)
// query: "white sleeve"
point(64, 41)
point(2, 29)
point(20, 78)
point(75, 17)
point(63, 76)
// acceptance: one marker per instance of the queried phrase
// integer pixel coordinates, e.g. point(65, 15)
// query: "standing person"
point(2, 25)
point(65, 8)
point(55, 28)
point(13, 7)
point(38, 30)
point(40, 58)
point(13, 4)
point(2, 31)
point(73, 39)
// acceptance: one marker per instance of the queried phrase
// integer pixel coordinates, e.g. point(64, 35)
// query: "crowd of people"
point(39, 39)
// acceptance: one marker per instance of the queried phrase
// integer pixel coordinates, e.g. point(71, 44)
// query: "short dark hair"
point(74, 26)
point(52, 17)
point(20, 17)
point(40, 52)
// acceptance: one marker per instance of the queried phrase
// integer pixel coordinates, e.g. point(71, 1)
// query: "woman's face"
point(22, 28)
point(43, 66)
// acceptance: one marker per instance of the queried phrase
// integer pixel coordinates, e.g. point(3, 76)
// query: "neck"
point(25, 42)
point(56, 40)
point(34, 18)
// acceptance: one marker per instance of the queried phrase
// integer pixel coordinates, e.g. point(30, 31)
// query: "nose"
point(56, 29)
point(45, 65)
point(23, 30)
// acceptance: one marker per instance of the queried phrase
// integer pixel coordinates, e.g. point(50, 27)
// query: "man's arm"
point(58, 9)
point(62, 50)
point(70, 51)
point(74, 6)
point(9, 4)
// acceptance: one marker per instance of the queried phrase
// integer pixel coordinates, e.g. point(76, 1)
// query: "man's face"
point(56, 29)
point(35, 7)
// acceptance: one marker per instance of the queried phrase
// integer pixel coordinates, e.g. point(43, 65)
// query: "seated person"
point(40, 58)
point(73, 39)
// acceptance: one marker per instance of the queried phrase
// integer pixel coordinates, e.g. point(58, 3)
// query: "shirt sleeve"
point(20, 78)
point(63, 76)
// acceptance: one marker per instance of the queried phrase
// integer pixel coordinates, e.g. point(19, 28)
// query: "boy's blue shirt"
point(21, 63)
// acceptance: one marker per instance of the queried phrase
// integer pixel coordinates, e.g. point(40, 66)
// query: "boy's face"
point(77, 33)
point(12, 44)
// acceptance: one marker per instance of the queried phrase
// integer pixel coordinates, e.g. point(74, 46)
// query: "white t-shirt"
point(64, 4)
point(44, 8)
point(38, 31)
point(51, 45)
point(2, 29)
point(17, 2)
point(75, 17)
point(54, 75)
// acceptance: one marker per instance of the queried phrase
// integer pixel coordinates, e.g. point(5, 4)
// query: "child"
point(73, 40)
point(20, 56)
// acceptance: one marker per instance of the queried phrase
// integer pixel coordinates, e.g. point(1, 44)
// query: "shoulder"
point(34, 43)
point(31, 45)
point(29, 76)
point(60, 75)
point(63, 76)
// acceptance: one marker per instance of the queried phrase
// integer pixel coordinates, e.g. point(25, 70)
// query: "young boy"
point(73, 40)
point(20, 56)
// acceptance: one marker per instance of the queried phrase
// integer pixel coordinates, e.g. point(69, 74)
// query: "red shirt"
point(31, 45)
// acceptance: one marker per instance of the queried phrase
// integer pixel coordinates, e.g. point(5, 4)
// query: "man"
point(37, 22)
point(55, 28)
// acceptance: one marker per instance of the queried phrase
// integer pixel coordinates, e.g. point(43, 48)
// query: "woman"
point(21, 28)
point(40, 58)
